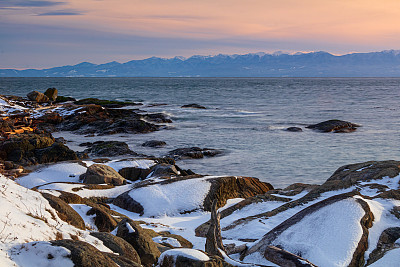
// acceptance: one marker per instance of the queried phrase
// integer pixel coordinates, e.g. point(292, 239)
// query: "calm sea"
point(246, 118)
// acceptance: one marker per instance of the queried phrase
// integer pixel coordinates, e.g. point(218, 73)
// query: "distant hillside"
point(315, 64)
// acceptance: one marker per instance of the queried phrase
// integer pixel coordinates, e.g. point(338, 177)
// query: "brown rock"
point(141, 242)
point(38, 97)
point(51, 93)
point(84, 254)
point(224, 188)
point(118, 245)
point(64, 211)
point(103, 220)
point(102, 174)
point(126, 202)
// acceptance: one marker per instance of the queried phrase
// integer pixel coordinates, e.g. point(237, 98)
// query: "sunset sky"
point(41, 34)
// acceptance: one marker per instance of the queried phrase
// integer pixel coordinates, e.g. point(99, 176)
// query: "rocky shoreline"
point(91, 209)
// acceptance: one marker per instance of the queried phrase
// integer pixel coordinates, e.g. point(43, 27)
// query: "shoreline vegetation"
point(110, 206)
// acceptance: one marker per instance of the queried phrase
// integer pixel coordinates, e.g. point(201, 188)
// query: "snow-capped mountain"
point(313, 64)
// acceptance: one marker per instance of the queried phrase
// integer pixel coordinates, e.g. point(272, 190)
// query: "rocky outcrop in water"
point(336, 126)
point(193, 152)
point(108, 149)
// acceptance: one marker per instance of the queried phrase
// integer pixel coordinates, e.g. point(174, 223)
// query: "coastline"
point(360, 192)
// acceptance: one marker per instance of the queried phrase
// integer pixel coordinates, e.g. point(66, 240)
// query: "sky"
point(47, 33)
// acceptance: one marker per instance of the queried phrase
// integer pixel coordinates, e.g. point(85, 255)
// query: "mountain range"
point(313, 64)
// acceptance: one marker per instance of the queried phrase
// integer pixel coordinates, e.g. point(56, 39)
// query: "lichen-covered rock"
point(102, 174)
point(64, 211)
point(131, 232)
point(38, 97)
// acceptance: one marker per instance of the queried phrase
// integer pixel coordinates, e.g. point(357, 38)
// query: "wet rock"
point(95, 119)
point(154, 143)
point(131, 232)
point(337, 126)
point(193, 152)
point(51, 93)
point(157, 117)
point(102, 174)
point(194, 105)
point(118, 245)
point(37, 97)
point(294, 129)
point(108, 148)
point(64, 211)
point(84, 254)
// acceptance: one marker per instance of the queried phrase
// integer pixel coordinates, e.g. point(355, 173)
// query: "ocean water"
point(246, 118)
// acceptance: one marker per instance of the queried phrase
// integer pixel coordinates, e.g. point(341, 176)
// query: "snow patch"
point(41, 254)
point(172, 198)
point(184, 252)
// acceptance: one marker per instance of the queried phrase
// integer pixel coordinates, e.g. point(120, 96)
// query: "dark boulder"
point(154, 143)
point(126, 202)
point(194, 105)
point(37, 97)
point(336, 126)
point(193, 152)
point(51, 93)
point(64, 211)
point(61, 99)
point(157, 117)
point(102, 174)
point(105, 103)
point(294, 129)
point(134, 173)
point(147, 249)
point(84, 254)
point(108, 148)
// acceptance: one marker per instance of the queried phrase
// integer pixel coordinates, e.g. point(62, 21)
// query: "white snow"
point(168, 240)
point(82, 210)
point(327, 237)
point(390, 259)
point(41, 254)
point(184, 252)
point(130, 228)
point(61, 172)
point(136, 163)
point(173, 198)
